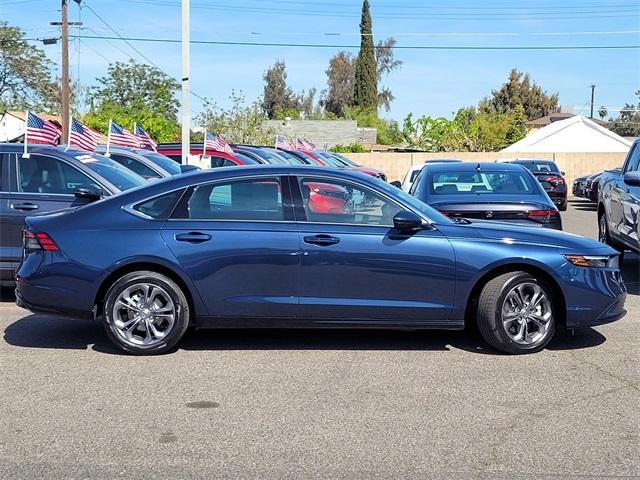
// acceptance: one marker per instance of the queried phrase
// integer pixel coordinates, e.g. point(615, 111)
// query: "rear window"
point(159, 207)
point(540, 167)
point(164, 162)
point(112, 171)
point(461, 183)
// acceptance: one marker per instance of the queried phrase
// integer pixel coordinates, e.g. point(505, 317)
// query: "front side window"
point(460, 183)
point(256, 199)
point(43, 174)
point(334, 201)
point(633, 165)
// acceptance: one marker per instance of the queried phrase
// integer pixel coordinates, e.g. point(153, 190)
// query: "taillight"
point(39, 241)
point(554, 180)
point(543, 216)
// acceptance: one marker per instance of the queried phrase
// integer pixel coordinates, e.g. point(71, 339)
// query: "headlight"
point(596, 261)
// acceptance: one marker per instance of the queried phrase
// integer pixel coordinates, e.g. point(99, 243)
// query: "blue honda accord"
point(286, 246)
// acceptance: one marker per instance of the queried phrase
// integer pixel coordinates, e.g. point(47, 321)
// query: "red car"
point(218, 159)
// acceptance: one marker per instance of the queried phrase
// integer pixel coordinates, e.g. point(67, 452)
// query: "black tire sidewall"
point(177, 296)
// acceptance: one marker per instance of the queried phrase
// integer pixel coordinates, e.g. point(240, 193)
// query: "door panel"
point(240, 247)
point(356, 267)
point(372, 273)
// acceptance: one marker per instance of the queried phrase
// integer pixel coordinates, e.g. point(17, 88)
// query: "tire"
point(605, 237)
point(129, 308)
point(563, 206)
point(498, 297)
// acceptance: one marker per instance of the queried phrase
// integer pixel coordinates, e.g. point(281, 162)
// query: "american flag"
point(144, 137)
point(41, 131)
point(217, 143)
point(283, 144)
point(306, 144)
point(122, 137)
point(82, 136)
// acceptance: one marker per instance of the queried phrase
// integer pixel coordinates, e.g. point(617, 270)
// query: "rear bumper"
point(25, 292)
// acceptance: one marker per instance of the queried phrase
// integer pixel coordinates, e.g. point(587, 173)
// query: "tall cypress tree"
point(366, 85)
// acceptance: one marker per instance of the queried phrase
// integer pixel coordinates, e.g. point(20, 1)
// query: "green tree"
point(520, 91)
point(366, 85)
point(242, 123)
point(134, 84)
point(628, 122)
point(25, 73)
point(279, 100)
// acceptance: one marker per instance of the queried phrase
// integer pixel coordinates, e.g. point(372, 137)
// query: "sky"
point(430, 82)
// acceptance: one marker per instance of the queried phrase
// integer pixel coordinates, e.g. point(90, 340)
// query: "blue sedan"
point(286, 246)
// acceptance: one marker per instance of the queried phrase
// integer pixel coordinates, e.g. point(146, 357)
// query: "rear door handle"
point(25, 206)
point(193, 237)
point(321, 240)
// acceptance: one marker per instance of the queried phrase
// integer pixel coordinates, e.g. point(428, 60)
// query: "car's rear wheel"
point(516, 313)
point(145, 313)
point(563, 206)
point(605, 237)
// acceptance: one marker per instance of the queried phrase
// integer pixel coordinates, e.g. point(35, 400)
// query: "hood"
point(509, 233)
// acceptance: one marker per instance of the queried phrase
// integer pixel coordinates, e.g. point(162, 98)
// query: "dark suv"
point(50, 179)
point(551, 178)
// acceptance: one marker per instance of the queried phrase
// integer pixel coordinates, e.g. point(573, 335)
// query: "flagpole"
point(69, 134)
point(26, 128)
point(107, 154)
point(204, 143)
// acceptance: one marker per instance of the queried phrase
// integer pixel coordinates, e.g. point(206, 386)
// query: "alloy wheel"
point(143, 314)
point(527, 315)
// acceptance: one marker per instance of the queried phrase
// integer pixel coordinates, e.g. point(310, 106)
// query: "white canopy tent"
point(575, 134)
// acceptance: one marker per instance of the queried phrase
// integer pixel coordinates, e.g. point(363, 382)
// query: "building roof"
point(556, 117)
point(45, 116)
point(574, 134)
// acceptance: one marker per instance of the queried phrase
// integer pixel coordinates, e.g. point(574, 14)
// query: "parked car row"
point(268, 155)
point(588, 187)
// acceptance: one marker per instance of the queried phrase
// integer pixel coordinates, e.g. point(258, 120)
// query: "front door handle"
point(322, 240)
point(25, 206)
point(193, 237)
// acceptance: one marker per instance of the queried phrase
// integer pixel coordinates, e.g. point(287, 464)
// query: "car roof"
point(473, 166)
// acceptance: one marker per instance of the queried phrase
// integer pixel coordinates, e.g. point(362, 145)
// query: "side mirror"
point(406, 222)
point(632, 179)
point(396, 184)
point(88, 193)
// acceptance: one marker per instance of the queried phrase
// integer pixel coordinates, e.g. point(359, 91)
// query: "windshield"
point(540, 166)
point(112, 171)
point(245, 159)
point(267, 156)
point(346, 160)
point(329, 160)
point(431, 213)
point(164, 162)
point(464, 183)
point(290, 158)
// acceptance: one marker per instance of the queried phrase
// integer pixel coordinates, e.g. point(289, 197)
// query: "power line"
point(399, 47)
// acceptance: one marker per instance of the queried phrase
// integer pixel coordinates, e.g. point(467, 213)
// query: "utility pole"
point(65, 88)
point(593, 89)
point(186, 114)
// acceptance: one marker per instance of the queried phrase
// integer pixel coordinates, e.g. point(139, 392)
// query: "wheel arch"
point(535, 270)
point(154, 265)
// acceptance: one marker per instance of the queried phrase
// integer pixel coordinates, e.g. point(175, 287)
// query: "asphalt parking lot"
point(320, 404)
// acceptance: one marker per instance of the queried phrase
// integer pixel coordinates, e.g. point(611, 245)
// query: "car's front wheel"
point(516, 313)
point(145, 313)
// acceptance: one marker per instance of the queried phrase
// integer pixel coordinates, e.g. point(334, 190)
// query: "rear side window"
point(221, 162)
point(43, 174)
point(257, 199)
point(159, 207)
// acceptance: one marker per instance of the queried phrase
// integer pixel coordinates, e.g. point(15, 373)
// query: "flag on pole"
point(306, 144)
point(41, 131)
point(121, 136)
point(283, 144)
point(217, 143)
point(144, 138)
point(82, 136)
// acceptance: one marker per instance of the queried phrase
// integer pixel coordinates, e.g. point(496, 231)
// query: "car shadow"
point(42, 331)
point(7, 294)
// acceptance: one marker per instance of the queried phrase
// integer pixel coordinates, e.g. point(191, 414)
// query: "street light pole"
point(186, 114)
point(65, 88)
point(593, 89)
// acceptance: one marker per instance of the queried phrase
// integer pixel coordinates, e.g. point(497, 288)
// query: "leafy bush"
point(353, 148)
